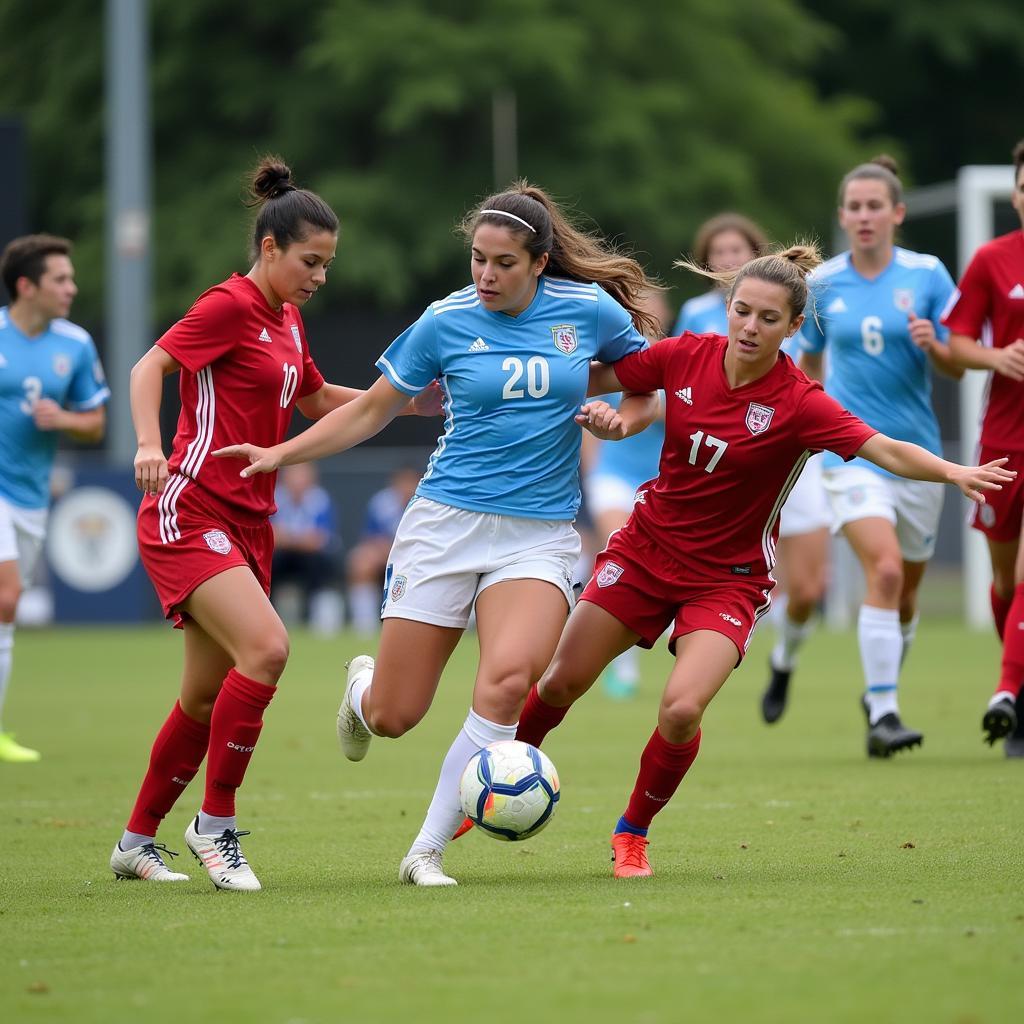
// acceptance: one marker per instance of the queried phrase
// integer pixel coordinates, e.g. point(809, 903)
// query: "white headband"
point(503, 213)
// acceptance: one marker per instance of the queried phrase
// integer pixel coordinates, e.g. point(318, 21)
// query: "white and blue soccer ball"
point(509, 790)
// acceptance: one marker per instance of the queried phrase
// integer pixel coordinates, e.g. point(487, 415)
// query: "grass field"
point(796, 880)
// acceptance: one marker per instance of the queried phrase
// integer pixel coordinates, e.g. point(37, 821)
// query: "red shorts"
point(646, 591)
point(1001, 515)
point(184, 541)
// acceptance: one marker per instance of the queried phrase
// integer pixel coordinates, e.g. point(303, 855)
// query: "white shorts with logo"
point(443, 558)
point(806, 508)
point(608, 493)
point(912, 506)
point(22, 534)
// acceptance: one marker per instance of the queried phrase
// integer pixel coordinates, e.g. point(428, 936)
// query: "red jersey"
point(243, 367)
point(731, 455)
point(989, 306)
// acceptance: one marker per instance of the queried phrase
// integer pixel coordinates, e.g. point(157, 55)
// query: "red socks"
point(234, 729)
point(1000, 609)
point(178, 751)
point(1013, 645)
point(662, 767)
point(538, 718)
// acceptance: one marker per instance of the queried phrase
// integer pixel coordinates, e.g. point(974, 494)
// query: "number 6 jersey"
point(512, 387)
point(731, 455)
point(243, 367)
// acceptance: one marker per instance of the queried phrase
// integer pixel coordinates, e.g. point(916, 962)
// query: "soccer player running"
point(51, 382)
point(491, 524)
point(989, 306)
point(878, 308)
point(207, 544)
point(699, 548)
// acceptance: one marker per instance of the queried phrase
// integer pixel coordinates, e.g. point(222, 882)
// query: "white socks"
point(364, 601)
point(131, 840)
point(908, 630)
point(209, 825)
point(445, 812)
point(360, 685)
point(791, 638)
point(6, 659)
point(881, 648)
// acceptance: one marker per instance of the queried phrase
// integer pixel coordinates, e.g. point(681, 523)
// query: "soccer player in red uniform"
point(989, 306)
point(698, 550)
point(206, 543)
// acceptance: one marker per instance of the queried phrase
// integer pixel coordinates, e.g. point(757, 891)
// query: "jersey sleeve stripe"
point(444, 307)
point(90, 403)
point(392, 375)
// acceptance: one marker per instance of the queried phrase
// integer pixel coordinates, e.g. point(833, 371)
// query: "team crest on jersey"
point(904, 299)
point(398, 587)
point(759, 417)
point(565, 338)
point(296, 338)
point(61, 365)
point(609, 574)
point(217, 540)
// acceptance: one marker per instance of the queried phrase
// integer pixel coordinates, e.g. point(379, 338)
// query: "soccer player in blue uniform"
point(491, 524)
point(877, 311)
point(51, 382)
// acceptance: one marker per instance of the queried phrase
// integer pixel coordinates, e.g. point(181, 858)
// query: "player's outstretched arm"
point(339, 430)
point(429, 402)
point(1008, 361)
point(916, 463)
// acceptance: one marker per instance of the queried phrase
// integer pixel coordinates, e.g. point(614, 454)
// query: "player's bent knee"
point(887, 576)
point(267, 657)
point(681, 716)
point(392, 723)
point(560, 688)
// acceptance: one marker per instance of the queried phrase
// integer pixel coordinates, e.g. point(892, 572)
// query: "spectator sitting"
point(305, 542)
point(369, 558)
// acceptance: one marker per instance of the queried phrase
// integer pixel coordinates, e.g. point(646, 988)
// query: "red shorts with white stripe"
point(1000, 517)
point(184, 540)
point(647, 591)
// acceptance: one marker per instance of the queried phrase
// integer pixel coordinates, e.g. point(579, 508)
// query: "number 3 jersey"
point(512, 387)
point(60, 364)
point(243, 367)
point(872, 367)
point(731, 455)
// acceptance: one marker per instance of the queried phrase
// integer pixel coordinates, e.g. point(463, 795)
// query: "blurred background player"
point(989, 307)
point(613, 472)
point(877, 316)
point(368, 559)
point(51, 382)
point(306, 546)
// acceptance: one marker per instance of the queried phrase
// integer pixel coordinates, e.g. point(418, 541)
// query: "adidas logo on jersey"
point(265, 335)
point(1016, 292)
point(686, 394)
point(479, 346)
point(836, 306)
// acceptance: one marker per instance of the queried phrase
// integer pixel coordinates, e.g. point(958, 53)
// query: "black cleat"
point(1014, 745)
point(889, 734)
point(1000, 719)
point(773, 701)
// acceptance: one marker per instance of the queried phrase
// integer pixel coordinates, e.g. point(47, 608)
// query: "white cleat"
point(424, 869)
point(353, 736)
point(144, 862)
point(223, 858)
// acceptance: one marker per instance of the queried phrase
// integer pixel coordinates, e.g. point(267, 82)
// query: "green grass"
point(796, 880)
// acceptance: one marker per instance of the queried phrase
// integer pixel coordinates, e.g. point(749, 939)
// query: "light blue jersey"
point(512, 387)
point(872, 366)
point(61, 364)
point(633, 459)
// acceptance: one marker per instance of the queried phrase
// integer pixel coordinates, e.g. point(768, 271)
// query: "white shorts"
point(912, 506)
point(806, 508)
point(608, 493)
point(22, 533)
point(443, 558)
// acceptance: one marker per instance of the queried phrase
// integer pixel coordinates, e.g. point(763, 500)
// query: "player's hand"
point(975, 480)
point(261, 460)
point(430, 401)
point(47, 414)
point(150, 469)
point(602, 421)
point(922, 332)
point(1010, 360)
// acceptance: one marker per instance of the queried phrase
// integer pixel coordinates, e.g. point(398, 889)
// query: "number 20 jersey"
point(243, 365)
point(512, 387)
point(731, 455)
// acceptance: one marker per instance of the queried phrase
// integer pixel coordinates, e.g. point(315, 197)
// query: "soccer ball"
point(509, 790)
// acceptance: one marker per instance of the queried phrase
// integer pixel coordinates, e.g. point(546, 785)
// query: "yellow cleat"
point(15, 753)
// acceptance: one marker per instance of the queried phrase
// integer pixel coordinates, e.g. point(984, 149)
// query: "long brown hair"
point(530, 214)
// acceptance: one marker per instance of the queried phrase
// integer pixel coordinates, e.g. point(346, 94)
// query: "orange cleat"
point(467, 824)
point(629, 856)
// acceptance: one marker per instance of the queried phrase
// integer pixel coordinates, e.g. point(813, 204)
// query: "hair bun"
point(886, 161)
point(272, 178)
